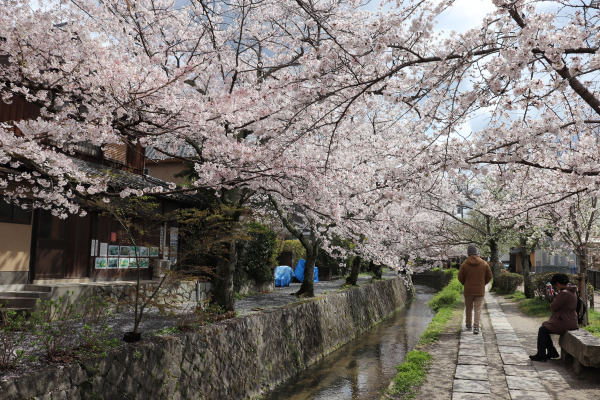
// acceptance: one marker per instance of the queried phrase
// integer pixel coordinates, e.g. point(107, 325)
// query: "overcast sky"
point(465, 14)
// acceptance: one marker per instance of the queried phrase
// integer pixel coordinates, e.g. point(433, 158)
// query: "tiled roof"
point(120, 179)
point(181, 151)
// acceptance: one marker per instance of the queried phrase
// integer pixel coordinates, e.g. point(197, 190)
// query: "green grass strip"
point(530, 307)
point(413, 371)
point(594, 322)
point(411, 374)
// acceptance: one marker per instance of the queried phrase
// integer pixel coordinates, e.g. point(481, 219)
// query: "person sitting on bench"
point(563, 318)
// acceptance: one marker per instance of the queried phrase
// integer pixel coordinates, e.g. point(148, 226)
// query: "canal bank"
point(495, 364)
point(362, 368)
point(236, 359)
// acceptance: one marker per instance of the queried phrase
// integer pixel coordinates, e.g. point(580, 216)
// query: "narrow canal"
point(363, 368)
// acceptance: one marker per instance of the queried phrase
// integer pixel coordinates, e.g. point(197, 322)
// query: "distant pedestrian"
point(474, 274)
point(563, 318)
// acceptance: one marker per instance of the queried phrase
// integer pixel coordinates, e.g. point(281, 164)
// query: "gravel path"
point(282, 296)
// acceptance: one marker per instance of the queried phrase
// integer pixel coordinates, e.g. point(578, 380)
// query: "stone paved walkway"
point(472, 376)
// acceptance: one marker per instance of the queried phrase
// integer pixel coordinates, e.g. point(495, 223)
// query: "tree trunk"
point(353, 277)
point(307, 289)
point(376, 269)
point(223, 291)
point(582, 280)
point(494, 258)
point(525, 266)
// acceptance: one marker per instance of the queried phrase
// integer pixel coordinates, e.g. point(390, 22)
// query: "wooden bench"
point(580, 348)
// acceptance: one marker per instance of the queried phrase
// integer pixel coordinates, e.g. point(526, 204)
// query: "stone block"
point(583, 346)
point(524, 395)
point(9, 391)
point(115, 373)
point(473, 372)
point(524, 383)
point(471, 386)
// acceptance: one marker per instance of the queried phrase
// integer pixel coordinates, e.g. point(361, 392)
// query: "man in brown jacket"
point(474, 274)
point(563, 318)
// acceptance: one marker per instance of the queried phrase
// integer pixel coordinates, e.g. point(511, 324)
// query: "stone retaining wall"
point(437, 279)
point(236, 359)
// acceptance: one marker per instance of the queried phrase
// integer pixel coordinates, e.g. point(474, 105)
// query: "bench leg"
point(566, 358)
point(578, 368)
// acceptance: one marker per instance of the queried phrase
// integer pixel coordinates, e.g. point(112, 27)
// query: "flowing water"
point(363, 368)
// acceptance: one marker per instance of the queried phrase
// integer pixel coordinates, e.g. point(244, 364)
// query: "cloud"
point(465, 14)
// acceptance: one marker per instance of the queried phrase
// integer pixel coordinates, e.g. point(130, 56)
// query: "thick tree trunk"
point(353, 277)
point(307, 289)
point(494, 257)
point(494, 260)
point(376, 269)
point(223, 291)
point(582, 280)
point(525, 266)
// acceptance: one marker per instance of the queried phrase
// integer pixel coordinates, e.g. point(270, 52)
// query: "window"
point(13, 213)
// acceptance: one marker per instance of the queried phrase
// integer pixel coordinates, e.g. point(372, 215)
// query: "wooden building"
point(37, 247)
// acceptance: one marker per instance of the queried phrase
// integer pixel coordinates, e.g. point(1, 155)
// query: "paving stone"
point(471, 351)
point(512, 350)
point(472, 360)
point(519, 370)
point(507, 336)
point(471, 396)
point(527, 395)
point(515, 359)
point(472, 372)
point(508, 343)
point(503, 327)
point(471, 386)
point(524, 383)
point(552, 376)
point(470, 338)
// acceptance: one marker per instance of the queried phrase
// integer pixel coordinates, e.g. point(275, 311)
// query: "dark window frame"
point(17, 214)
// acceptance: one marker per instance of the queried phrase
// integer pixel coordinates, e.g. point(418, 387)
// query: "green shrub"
point(294, 246)
point(55, 325)
point(507, 282)
point(12, 335)
point(95, 334)
point(540, 281)
point(52, 323)
point(254, 255)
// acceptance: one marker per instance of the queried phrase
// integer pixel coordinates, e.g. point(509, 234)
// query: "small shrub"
point(94, 335)
point(540, 281)
point(294, 246)
point(507, 283)
point(63, 333)
point(254, 260)
point(12, 334)
point(202, 314)
point(52, 324)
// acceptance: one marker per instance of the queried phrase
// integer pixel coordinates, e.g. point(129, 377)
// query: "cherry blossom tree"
point(358, 116)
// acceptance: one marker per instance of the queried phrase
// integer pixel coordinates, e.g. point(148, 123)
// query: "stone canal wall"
point(235, 359)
